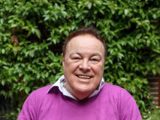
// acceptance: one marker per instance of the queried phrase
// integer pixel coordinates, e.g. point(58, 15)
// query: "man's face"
point(83, 65)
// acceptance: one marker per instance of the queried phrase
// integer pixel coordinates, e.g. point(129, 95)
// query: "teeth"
point(84, 76)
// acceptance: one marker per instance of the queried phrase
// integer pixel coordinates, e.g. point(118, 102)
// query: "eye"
point(75, 57)
point(95, 59)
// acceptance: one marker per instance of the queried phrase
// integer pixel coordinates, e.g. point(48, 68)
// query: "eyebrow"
point(75, 53)
point(96, 54)
point(92, 55)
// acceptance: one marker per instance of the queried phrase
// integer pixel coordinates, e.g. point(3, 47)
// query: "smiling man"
point(81, 93)
point(83, 65)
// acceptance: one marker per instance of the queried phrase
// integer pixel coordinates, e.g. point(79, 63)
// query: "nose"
point(84, 66)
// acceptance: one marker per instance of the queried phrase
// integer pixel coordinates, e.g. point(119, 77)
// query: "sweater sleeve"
point(29, 111)
point(128, 107)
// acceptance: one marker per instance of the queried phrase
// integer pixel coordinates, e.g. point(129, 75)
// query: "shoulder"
point(33, 102)
point(42, 90)
point(114, 88)
point(119, 95)
point(39, 93)
point(125, 102)
point(36, 97)
point(116, 92)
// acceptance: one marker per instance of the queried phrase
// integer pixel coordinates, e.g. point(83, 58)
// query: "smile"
point(84, 76)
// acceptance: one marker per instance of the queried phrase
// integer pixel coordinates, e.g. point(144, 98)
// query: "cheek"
point(69, 67)
point(66, 64)
point(98, 69)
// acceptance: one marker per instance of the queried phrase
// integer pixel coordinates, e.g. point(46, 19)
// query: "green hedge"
point(32, 33)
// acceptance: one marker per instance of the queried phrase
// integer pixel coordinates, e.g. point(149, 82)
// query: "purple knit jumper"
point(112, 103)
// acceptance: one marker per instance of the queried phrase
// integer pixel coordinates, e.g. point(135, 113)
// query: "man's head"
point(83, 62)
point(86, 30)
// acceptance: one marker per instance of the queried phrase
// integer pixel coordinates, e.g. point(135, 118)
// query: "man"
point(81, 93)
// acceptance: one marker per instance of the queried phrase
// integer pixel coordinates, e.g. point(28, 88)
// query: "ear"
point(63, 61)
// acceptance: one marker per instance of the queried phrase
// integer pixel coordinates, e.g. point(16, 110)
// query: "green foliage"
point(155, 114)
point(32, 32)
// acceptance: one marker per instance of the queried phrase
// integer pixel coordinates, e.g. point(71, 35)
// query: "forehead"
point(85, 42)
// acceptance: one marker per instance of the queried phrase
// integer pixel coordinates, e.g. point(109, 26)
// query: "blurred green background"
point(32, 33)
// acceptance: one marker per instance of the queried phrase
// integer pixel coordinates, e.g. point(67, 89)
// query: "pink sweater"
point(112, 103)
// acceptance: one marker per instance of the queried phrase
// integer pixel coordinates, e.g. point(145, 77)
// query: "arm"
point(128, 107)
point(28, 111)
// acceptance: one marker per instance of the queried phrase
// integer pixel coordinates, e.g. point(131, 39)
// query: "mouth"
point(81, 76)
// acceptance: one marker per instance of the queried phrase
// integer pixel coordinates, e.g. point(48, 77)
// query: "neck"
point(77, 94)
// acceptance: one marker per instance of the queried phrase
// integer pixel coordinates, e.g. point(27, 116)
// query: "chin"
point(85, 90)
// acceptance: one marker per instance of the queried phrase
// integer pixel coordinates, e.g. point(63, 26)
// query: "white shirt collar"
point(60, 85)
